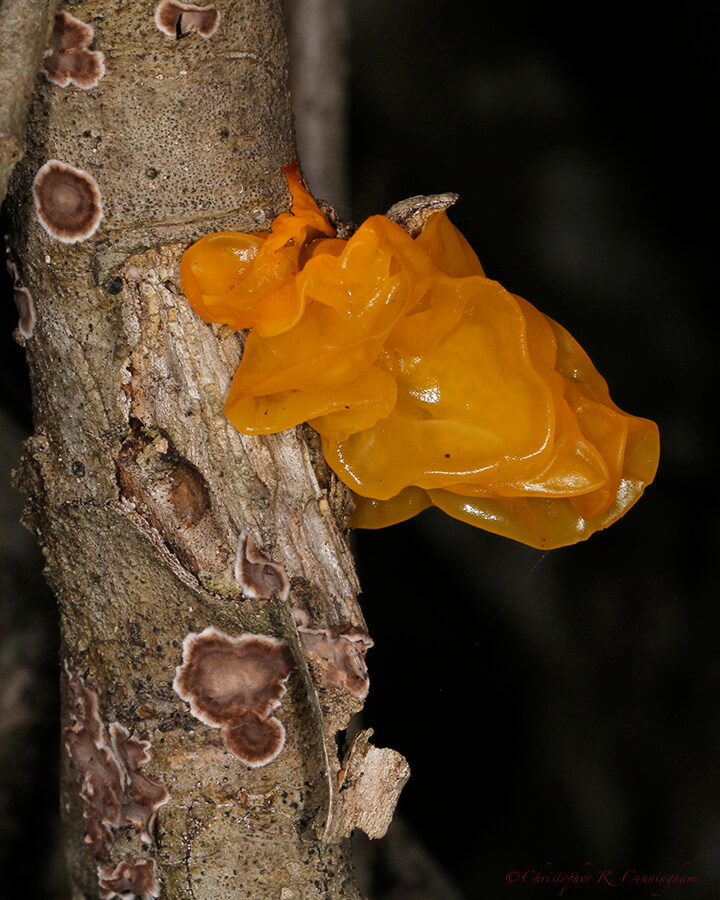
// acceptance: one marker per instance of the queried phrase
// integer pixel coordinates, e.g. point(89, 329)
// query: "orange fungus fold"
point(429, 383)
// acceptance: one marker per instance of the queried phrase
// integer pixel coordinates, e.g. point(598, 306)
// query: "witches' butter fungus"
point(429, 383)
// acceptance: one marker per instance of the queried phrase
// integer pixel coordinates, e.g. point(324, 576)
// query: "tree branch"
point(143, 495)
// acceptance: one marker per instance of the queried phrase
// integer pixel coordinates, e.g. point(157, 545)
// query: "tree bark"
point(25, 27)
point(140, 491)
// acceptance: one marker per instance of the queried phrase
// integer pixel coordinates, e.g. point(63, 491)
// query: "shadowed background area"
point(555, 708)
point(563, 707)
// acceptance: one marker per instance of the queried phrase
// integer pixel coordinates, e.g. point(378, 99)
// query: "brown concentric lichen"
point(67, 202)
point(67, 59)
point(234, 684)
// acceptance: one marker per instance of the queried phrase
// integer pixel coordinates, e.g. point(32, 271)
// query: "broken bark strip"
point(139, 488)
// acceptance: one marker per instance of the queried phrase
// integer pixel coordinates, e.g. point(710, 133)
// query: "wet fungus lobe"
point(429, 383)
point(259, 578)
point(178, 19)
point(235, 684)
point(67, 59)
point(67, 202)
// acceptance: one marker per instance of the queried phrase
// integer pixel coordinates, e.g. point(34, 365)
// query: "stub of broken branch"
point(369, 784)
point(412, 214)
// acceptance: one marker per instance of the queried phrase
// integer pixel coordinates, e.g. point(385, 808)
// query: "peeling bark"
point(139, 488)
point(370, 782)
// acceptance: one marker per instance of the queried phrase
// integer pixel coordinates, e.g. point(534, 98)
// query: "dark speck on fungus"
point(234, 684)
point(67, 202)
point(178, 19)
point(259, 578)
point(67, 60)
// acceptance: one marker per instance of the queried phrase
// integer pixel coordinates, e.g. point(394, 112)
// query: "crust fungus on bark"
point(259, 578)
point(178, 19)
point(129, 880)
point(67, 202)
point(114, 790)
point(68, 59)
point(21, 295)
point(340, 650)
point(234, 684)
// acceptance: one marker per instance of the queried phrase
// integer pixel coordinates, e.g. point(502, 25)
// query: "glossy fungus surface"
point(429, 382)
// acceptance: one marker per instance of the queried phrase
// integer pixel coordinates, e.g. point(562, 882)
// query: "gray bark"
point(25, 27)
point(138, 488)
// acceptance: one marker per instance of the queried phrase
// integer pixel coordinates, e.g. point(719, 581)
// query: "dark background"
point(555, 708)
point(559, 707)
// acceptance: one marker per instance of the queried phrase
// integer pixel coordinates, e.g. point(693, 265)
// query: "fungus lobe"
point(129, 880)
point(177, 19)
point(67, 201)
point(67, 60)
point(340, 650)
point(115, 792)
point(234, 683)
point(429, 382)
point(259, 577)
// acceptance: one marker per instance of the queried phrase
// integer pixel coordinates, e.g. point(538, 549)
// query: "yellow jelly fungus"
point(429, 383)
